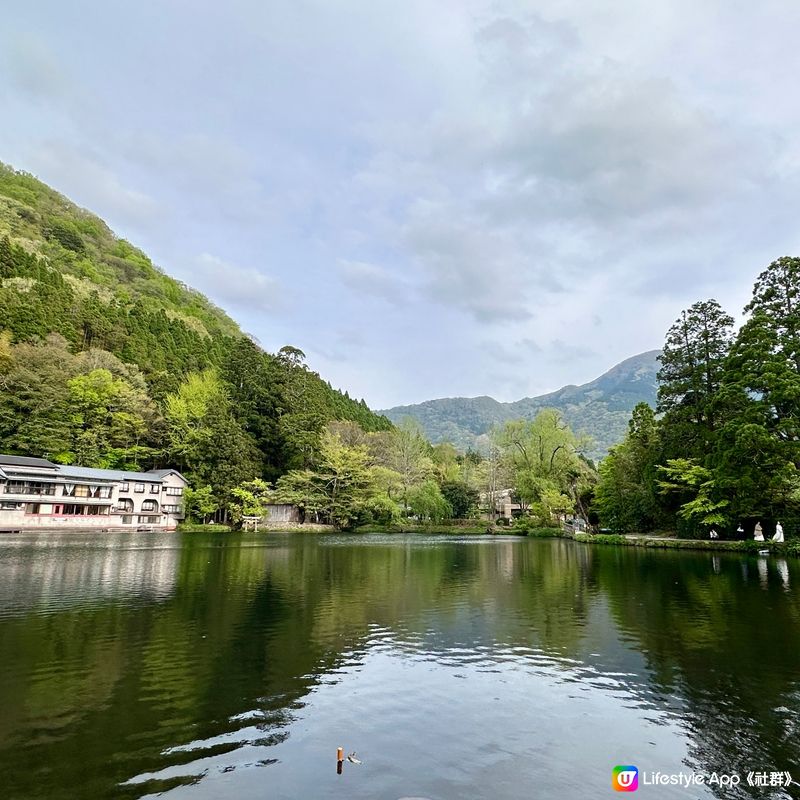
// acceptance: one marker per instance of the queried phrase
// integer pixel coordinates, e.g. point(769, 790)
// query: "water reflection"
point(783, 570)
point(50, 572)
point(233, 666)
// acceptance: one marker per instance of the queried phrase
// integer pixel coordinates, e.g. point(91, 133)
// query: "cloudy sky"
point(450, 197)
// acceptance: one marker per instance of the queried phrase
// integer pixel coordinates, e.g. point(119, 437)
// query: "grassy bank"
point(478, 527)
point(538, 533)
point(666, 543)
point(413, 527)
point(287, 527)
point(198, 527)
point(485, 529)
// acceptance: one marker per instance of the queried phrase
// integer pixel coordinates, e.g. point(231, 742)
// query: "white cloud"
point(371, 279)
point(569, 173)
point(244, 288)
point(93, 183)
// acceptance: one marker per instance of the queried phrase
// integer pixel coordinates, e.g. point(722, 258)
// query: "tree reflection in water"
point(137, 664)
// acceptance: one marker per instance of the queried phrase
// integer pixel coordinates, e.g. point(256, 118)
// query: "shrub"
point(66, 234)
point(524, 524)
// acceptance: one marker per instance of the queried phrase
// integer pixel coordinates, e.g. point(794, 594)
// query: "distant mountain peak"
point(600, 408)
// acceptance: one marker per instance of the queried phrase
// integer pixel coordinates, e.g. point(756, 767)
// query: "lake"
point(232, 666)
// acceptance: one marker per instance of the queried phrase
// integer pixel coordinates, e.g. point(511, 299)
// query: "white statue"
point(759, 534)
point(778, 537)
point(713, 534)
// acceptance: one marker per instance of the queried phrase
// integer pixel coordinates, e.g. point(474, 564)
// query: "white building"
point(36, 494)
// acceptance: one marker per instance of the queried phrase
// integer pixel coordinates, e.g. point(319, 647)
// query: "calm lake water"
point(232, 666)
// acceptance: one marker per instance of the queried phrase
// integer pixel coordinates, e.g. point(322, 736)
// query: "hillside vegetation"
point(107, 361)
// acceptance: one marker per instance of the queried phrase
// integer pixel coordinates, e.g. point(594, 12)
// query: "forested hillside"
point(107, 361)
point(599, 409)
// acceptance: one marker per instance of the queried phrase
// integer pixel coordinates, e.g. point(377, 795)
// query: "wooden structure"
point(281, 513)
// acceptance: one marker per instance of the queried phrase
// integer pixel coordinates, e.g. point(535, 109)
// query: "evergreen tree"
point(692, 364)
point(256, 392)
point(758, 457)
point(625, 497)
point(35, 401)
point(463, 499)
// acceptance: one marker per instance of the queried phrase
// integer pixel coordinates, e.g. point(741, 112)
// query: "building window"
point(149, 505)
point(154, 488)
point(138, 487)
point(149, 520)
point(32, 508)
point(5, 506)
point(29, 487)
point(75, 510)
point(174, 491)
point(71, 490)
point(127, 519)
point(125, 504)
point(171, 509)
point(124, 486)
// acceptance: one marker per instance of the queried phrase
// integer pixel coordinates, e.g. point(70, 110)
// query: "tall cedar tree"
point(692, 364)
point(758, 454)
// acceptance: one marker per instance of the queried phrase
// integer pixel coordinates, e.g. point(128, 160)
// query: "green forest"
point(722, 447)
point(106, 361)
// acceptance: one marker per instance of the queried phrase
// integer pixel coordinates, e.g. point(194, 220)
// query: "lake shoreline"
point(747, 546)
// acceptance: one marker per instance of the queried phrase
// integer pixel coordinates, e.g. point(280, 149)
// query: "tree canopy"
point(726, 449)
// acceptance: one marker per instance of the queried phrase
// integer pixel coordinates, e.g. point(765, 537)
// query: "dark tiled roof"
point(25, 461)
point(69, 471)
point(154, 476)
point(162, 473)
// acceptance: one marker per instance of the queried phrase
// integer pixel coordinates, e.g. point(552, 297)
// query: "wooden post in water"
point(339, 759)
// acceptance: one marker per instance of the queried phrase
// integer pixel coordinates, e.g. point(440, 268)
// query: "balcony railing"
point(35, 490)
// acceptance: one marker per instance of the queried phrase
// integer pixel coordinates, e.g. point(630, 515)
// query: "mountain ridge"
point(600, 408)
